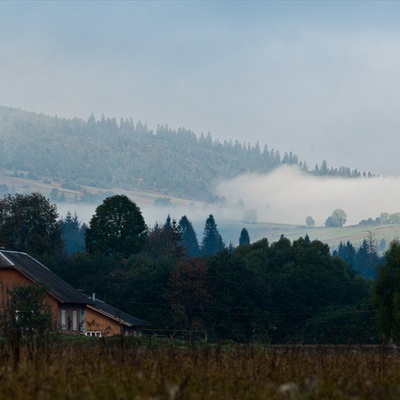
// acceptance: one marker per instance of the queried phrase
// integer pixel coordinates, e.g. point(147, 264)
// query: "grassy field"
point(332, 236)
point(148, 369)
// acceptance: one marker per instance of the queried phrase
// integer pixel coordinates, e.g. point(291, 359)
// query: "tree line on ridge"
point(107, 154)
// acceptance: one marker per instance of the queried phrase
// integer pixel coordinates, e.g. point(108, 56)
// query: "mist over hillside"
point(78, 163)
point(124, 154)
point(289, 195)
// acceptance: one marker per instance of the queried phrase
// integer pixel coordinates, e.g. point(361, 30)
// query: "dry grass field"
point(148, 369)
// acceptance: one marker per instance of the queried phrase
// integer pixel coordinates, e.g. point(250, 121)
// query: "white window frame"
point(74, 320)
point(63, 320)
point(93, 333)
point(82, 321)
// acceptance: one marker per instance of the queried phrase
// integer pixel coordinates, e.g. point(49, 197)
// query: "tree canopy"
point(117, 227)
point(337, 219)
point(29, 223)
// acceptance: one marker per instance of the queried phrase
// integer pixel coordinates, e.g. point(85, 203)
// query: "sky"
point(318, 78)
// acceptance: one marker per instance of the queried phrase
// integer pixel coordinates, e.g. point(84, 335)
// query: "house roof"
point(37, 272)
point(116, 314)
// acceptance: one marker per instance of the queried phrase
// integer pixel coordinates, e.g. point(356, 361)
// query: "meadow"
point(127, 368)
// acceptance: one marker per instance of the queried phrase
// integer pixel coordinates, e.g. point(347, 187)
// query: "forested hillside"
point(126, 154)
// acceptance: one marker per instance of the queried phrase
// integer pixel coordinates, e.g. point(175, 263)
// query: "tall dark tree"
point(29, 223)
point(244, 237)
point(367, 259)
point(189, 237)
point(212, 241)
point(347, 252)
point(168, 224)
point(73, 234)
point(116, 228)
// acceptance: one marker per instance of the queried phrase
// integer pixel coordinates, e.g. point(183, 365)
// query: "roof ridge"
point(6, 258)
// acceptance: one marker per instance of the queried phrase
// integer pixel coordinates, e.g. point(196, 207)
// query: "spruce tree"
point(72, 234)
point(244, 238)
point(212, 241)
point(189, 237)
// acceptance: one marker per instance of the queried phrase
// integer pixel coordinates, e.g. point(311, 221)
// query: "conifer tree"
point(73, 234)
point(189, 237)
point(212, 241)
point(244, 238)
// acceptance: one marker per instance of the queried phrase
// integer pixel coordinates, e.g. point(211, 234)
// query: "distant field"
point(332, 236)
point(229, 225)
point(230, 231)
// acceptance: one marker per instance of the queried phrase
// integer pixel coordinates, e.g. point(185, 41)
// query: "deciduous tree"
point(310, 221)
point(116, 228)
point(337, 219)
point(29, 223)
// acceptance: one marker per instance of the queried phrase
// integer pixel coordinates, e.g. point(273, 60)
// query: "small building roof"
point(37, 272)
point(116, 314)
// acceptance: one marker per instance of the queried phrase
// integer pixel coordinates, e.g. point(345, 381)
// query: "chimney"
point(94, 297)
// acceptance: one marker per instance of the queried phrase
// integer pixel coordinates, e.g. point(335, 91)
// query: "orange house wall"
point(9, 278)
point(99, 322)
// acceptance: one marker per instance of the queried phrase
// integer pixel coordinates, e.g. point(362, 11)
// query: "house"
point(103, 319)
point(73, 312)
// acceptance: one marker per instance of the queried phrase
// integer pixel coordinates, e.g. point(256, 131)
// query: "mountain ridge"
point(105, 154)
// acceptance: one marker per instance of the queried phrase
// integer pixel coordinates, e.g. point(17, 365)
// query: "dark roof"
point(38, 273)
point(117, 314)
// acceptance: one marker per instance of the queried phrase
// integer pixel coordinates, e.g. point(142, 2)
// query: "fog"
point(289, 195)
point(286, 195)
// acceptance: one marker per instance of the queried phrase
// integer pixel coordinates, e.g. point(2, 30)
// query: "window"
point(93, 333)
point(74, 320)
point(82, 322)
point(63, 320)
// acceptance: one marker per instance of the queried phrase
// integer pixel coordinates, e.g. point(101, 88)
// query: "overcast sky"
point(321, 79)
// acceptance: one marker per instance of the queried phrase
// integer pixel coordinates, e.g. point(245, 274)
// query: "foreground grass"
point(134, 369)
